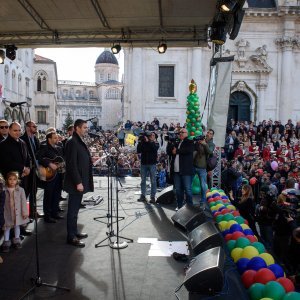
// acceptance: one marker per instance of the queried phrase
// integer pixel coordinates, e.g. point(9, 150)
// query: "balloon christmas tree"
point(193, 122)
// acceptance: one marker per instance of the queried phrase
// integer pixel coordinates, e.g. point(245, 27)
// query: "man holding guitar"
point(50, 157)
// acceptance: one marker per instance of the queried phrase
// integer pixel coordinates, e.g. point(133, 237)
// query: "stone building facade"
point(265, 77)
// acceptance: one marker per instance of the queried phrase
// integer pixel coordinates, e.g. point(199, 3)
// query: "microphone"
point(14, 104)
point(91, 119)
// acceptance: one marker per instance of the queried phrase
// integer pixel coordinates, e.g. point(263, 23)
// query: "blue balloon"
point(235, 227)
point(215, 195)
point(226, 231)
point(248, 232)
point(224, 197)
point(242, 264)
point(256, 263)
point(221, 208)
point(277, 270)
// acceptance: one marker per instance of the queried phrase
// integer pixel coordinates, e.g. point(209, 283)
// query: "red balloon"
point(252, 180)
point(228, 237)
point(218, 198)
point(236, 213)
point(246, 222)
point(225, 211)
point(236, 235)
point(217, 213)
point(251, 238)
point(264, 275)
point(248, 278)
point(287, 284)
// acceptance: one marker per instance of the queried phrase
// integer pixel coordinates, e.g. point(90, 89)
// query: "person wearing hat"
point(147, 147)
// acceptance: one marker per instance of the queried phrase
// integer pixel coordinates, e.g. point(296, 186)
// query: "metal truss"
point(216, 173)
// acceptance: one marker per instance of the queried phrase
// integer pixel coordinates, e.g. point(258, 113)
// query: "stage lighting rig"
point(162, 47)
point(115, 49)
point(228, 5)
point(2, 56)
point(11, 51)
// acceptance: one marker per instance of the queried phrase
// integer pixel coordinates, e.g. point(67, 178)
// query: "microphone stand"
point(113, 173)
point(37, 281)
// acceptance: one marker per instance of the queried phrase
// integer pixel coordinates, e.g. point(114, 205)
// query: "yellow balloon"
point(249, 252)
point(268, 258)
point(236, 254)
point(245, 226)
point(223, 225)
point(229, 223)
point(219, 205)
point(213, 208)
point(230, 206)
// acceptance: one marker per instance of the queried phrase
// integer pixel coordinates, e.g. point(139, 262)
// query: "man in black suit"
point(14, 154)
point(78, 179)
point(183, 168)
point(33, 146)
point(3, 129)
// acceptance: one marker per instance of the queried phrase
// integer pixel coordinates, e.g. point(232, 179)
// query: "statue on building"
point(241, 45)
point(262, 52)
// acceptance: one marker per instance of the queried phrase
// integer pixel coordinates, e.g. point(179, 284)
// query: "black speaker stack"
point(205, 271)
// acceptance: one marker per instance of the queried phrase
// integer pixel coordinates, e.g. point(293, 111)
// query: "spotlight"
point(228, 5)
point(115, 49)
point(162, 47)
point(2, 56)
point(218, 33)
point(11, 52)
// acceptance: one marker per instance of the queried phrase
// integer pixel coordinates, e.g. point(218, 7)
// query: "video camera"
point(199, 138)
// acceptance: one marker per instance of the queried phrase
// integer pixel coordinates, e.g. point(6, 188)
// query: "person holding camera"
point(200, 164)
point(148, 147)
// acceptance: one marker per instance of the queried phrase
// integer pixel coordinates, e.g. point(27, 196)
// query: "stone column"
point(261, 86)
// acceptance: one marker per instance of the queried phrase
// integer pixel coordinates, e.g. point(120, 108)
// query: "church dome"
point(106, 57)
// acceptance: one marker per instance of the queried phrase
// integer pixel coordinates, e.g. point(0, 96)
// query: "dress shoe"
point(81, 235)
point(76, 242)
point(49, 220)
point(25, 232)
point(82, 206)
point(61, 210)
point(57, 217)
point(40, 215)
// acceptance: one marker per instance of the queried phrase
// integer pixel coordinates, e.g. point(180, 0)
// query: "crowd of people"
point(260, 171)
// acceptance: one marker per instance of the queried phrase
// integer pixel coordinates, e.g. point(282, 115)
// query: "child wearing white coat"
point(15, 211)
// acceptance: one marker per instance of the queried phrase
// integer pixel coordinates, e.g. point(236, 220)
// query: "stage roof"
point(81, 23)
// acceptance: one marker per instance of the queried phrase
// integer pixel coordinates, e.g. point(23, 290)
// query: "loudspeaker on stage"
point(204, 237)
point(205, 273)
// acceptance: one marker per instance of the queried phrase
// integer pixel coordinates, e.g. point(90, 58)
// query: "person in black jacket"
point(148, 147)
point(33, 146)
point(49, 155)
point(78, 179)
point(183, 169)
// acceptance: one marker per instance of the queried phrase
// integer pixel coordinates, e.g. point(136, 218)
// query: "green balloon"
point(256, 291)
point(259, 246)
point(192, 112)
point(193, 120)
point(197, 132)
point(228, 217)
point(242, 242)
point(292, 296)
point(188, 120)
point(274, 290)
point(231, 245)
point(212, 204)
point(240, 219)
point(193, 128)
point(219, 218)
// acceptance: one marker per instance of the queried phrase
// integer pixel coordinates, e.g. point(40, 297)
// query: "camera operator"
point(148, 146)
point(200, 164)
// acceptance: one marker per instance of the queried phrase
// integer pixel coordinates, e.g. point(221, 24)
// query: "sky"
point(76, 64)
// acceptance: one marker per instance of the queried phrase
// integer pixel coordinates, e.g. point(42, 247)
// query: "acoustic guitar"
point(48, 174)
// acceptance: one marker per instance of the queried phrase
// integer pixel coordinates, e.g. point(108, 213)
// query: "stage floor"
point(104, 273)
point(99, 273)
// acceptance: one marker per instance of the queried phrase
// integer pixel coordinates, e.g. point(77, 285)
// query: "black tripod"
point(112, 174)
point(37, 281)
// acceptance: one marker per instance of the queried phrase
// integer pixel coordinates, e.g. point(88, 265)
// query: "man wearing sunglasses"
point(3, 129)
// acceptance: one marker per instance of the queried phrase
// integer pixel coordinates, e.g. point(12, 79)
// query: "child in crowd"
point(15, 210)
point(2, 201)
point(161, 176)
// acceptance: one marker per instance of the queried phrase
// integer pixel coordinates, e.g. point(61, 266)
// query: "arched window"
point(41, 81)
point(108, 76)
point(101, 77)
point(6, 79)
point(78, 93)
point(239, 107)
point(27, 86)
point(91, 94)
point(13, 81)
point(26, 58)
point(65, 93)
point(113, 93)
point(20, 84)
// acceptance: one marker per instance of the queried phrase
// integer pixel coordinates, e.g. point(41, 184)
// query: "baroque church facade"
point(32, 81)
point(265, 76)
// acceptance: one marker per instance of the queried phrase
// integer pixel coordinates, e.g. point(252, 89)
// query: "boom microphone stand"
point(113, 173)
point(37, 281)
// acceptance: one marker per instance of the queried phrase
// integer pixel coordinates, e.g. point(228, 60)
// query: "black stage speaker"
point(205, 273)
point(204, 237)
point(189, 217)
point(166, 196)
